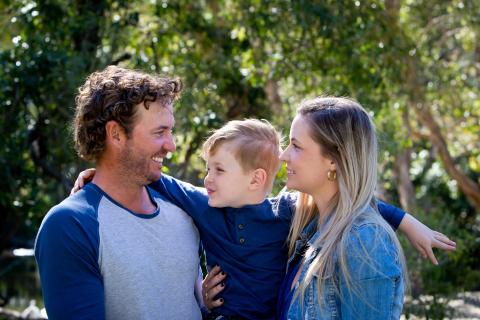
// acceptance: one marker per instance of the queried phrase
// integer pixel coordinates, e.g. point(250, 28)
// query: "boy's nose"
point(207, 179)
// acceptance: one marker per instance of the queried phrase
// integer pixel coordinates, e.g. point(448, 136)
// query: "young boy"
point(242, 231)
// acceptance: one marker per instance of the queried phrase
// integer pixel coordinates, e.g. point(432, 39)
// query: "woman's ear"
point(259, 179)
point(333, 165)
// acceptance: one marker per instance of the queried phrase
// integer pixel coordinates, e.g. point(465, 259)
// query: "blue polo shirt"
point(248, 243)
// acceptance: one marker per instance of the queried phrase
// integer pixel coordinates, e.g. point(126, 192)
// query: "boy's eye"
point(220, 170)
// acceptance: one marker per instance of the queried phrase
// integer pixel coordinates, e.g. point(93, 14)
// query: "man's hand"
point(424, 239)
point(211, 286)
point(84, 177)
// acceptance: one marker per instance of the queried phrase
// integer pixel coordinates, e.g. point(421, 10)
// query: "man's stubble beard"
point(135, 167)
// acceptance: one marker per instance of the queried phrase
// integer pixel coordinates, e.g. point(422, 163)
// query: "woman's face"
point(306, 166)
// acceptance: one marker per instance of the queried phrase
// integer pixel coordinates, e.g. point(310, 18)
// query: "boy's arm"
point(425, 239)
point(391, 214)
point(193, 200)
point(420, 236)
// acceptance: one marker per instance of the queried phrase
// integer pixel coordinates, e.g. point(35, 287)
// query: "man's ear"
point(259, 179)
point(114, 132)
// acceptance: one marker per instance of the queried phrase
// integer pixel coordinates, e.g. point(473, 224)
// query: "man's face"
point(150, 141)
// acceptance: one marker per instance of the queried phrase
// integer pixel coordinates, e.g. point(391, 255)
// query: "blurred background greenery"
point(415, 65)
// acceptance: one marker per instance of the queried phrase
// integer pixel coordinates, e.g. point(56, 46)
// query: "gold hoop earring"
point(332, 175)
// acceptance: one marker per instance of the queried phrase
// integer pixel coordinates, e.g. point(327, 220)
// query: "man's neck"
point(124, 190)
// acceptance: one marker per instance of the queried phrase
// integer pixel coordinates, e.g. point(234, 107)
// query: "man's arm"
point(66, 251)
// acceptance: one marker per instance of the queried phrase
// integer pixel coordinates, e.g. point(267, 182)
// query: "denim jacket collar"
point(304, 240)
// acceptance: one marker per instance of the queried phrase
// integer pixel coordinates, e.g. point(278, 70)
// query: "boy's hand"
point(424, 239)
point(211, 286)
point(84, 177)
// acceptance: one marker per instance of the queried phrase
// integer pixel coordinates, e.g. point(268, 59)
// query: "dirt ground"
point(466, 306)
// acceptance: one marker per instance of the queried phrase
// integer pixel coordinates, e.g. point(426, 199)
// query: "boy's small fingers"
point(443, 238)
point(431, 256)
point(444, 244)
point(422, 251)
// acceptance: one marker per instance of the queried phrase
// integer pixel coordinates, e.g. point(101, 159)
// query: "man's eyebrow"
point(163, 128)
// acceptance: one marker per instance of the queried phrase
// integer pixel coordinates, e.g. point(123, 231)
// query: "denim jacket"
point(376, 278)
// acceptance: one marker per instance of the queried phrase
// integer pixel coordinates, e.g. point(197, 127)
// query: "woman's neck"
point(323, 200)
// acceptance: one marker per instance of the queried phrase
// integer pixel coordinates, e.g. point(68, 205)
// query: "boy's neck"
point(253, 199)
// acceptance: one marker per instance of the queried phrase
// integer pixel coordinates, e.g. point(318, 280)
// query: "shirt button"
point(242, 240)
point(241, 226)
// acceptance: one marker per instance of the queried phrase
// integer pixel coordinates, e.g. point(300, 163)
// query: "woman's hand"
point(212, 285)
point(84, 177)
point(425, 239)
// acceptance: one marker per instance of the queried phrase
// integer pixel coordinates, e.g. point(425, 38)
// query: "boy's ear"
point(259, 179)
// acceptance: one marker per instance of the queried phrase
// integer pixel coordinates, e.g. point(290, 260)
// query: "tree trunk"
point(403, 159)
point(416, 93)
point(405, 188)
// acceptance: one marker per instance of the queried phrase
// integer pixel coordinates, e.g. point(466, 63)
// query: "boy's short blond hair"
point(255, 144)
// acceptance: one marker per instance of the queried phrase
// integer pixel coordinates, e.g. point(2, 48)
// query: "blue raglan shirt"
point(248, 243)
point(99, 260)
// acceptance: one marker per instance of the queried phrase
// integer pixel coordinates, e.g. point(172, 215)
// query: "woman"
point(345, 260)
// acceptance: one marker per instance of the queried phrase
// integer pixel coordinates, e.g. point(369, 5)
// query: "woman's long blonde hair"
point(346, 135)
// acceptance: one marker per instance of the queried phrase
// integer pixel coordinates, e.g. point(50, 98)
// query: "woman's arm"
point(376, 286)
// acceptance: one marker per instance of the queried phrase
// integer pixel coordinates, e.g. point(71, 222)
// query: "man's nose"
point(170, 145)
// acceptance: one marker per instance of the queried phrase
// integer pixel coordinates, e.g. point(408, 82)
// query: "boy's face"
point(226, 182)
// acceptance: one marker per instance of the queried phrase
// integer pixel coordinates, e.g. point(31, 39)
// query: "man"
point(117, 249)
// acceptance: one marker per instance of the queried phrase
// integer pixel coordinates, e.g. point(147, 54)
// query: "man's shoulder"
point(77, 209)
point(70, 226)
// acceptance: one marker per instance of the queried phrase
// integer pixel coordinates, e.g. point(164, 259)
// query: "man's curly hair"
point(113, 94)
